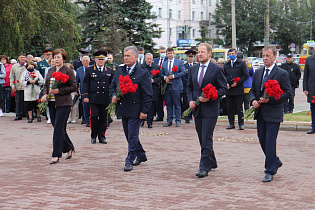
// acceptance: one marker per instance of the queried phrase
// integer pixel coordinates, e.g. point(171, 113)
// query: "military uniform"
point(113, 66)
point(96, 85)
point(42, 66)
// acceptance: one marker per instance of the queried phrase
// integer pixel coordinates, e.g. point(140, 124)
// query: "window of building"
point(209, 34)
point(179, 1)
point(178, 15)
point(210, 16)
point(170, 13)
point(210, 3)
point(160, 12)
point(193, 15)
point(194, 33)
point(193, 1)
point(201, 1)
point(201, 16)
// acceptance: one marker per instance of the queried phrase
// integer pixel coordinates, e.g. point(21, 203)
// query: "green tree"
point(29, 26)
point(204, 31)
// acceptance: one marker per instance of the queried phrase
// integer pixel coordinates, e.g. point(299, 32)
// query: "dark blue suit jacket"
point(272, 111)
point(79, 78)
point(157, 60)
point(96, 85)
point(177, 83)
point(131, 104)
point(216, 77)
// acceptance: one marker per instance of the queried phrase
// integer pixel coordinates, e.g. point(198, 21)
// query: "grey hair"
point(85, 56)
point(133, 49)
point(147, 54)
point(272, 48)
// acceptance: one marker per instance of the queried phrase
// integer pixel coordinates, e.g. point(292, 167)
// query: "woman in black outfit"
point(59, 105)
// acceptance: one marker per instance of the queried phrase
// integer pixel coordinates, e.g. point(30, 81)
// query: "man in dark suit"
point(269, 112)
point(190, 56)
point(78, 62)
point(79, 79)
point(96, 83)
point(155, 80)
point(235, 96)
point(205, 114)
point(141, 55)
point(159, 103)
point(133, 107)
point(172, 71)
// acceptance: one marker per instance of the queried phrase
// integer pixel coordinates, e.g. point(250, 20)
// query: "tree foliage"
point(116, 24)
point(204, 31)
point(30, 26)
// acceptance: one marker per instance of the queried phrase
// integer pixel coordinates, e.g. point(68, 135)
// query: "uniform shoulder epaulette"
point(185, 62)
point(121, 65)
point(195, 62)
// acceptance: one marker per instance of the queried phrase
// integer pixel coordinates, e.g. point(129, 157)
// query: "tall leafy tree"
point(204, 31)
point(29, 26)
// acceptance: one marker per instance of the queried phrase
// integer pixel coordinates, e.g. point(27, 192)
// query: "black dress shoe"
point(268, 178)
point(187, 121)
point(167, 125)
point(102, 140)
point(242, 127)
point(83, 122)
point(202, 173)
point(93, 140)
point(128, 167)
point(142, 123)
point(279, 164)
point(231, 127)
point(178, 124)
point(149, 125)
point(140, 160)
point(87, 125)
point(30, 120)
point(54, 161)
point(311, 131)
point(18, 118)
point(158, 119)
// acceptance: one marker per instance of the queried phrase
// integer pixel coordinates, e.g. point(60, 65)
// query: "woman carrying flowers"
point(60, 83)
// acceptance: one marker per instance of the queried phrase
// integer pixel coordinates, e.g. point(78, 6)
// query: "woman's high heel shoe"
point(70, 156)
point(54, 161)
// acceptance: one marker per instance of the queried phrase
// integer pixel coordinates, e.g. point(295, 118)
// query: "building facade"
point(180, 21)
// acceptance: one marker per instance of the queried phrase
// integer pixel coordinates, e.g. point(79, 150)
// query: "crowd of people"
point(93, 85)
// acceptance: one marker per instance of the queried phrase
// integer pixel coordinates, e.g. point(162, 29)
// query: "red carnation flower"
point(17, 81)
point(236, 79)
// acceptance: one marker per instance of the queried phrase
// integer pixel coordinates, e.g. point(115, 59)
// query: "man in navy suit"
point(269, 112)
point(205, 114)
point(79, 77)
point(159, 102)
point(172, 71)
point(96, 83)
point(133, 107)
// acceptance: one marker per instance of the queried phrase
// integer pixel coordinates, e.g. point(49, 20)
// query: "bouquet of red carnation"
point(235, 80)
point(125, 86)
point(207, 92)
point(174, 69)
point(32, 77)
point(272, 89)
point(154, 73)
point(60, 78)
point(313, 101)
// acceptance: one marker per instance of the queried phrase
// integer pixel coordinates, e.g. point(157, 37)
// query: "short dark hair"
point(31, 63)
point(21, 54)
point(162, 48)
point(62, 52)
point(232, 50)
point(170, 49)
point(140, 49)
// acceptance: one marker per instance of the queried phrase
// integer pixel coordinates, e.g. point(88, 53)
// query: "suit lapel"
point(207, 74)
point(273, 72)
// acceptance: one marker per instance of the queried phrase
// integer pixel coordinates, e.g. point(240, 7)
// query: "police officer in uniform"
point(96, 83)
point(43, 64)
point(190, 56)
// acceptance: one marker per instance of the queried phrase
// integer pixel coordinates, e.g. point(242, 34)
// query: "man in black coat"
point(78, 62)
point(269, 112)
point(155, 80)
point(96, 83)
point(133, 107)
point(235, 96)
point(205, 114)
point(309, 87)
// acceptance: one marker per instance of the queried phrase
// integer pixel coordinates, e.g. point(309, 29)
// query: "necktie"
point(161, 61)
point(190, 65)
point(169, 67)
point(232, 63)
point(265, 78)
point(100, 69)
point(140, 60)
point(201, 75)
point(128, 70)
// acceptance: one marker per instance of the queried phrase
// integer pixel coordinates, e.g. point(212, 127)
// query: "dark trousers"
point(19, 109)
point(172, 100)
point(98, 120)
point(288, 104)
point(267, 133)
point(131, 128)
point(234, 105)
point(313, 115)
point(86, 112)
point(1, 97)
point(185, 104)
point(159, 107)
point(61, 140)
point(246, 101)
point(6, 98)
point(204, 127)
point(151, 113)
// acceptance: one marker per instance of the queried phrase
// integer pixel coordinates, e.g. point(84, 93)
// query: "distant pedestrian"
point(248, 83)
point(295, 75)
point(309, 87)
point(2, 81)
point(6, 85)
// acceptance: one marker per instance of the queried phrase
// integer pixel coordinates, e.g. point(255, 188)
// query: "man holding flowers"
point(202, 78)
point(269, 110)
point(131, 90)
